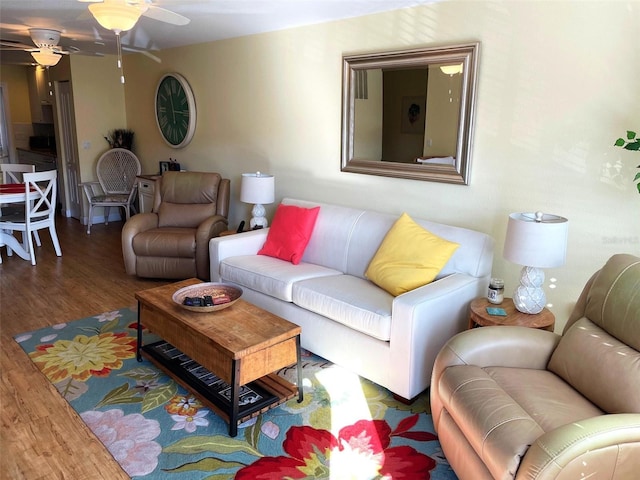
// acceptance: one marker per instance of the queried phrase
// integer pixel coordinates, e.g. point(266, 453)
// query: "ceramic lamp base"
point(529, 297)
point(258, 219)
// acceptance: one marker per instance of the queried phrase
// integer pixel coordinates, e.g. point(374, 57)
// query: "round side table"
point(478, 316)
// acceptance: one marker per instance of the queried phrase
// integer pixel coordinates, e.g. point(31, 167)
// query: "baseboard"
point(98, 219)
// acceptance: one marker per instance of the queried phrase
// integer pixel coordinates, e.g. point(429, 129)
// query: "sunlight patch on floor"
point(348, 401)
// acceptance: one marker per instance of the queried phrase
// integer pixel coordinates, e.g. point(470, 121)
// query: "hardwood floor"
point(41, 436)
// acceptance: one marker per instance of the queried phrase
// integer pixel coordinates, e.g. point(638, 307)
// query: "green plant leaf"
point(635, 145)
point(141, 373)
point(252, 433)
point(110, 326)
point(118, 395)
point(158, 396)
point(637, 177)
point(631, 135)
point(619, 142)
point(221, 444)
point(206, 465)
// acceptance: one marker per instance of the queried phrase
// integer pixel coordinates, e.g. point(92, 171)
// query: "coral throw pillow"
point(290, 232)
point(409, 257)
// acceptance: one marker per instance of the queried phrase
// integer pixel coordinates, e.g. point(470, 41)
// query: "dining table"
point(14, 193)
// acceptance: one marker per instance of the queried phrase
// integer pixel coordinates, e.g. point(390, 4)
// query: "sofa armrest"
point(136, 224)
point(211, 227)
point(518, 347)
point(247, 243)
point(423, 320)
point(607, 446)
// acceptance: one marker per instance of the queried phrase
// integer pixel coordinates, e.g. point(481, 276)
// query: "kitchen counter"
point(39, 151)
point(43, 159)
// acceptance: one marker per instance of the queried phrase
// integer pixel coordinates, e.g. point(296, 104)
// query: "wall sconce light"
point(259, 189)
point(451, 69)
point(536, 241)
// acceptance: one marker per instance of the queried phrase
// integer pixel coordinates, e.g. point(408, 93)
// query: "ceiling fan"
point(122, 15)
point(46, 51)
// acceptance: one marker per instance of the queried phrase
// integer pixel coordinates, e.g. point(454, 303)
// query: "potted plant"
point(120, 138)
point(631, 143)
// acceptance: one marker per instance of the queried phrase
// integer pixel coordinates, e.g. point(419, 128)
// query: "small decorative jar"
point(496, 291)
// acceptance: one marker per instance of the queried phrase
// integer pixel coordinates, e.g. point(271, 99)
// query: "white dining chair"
point(39, 211)
point(12, 173)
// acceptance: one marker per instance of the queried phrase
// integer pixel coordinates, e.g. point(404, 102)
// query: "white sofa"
point(345, 318)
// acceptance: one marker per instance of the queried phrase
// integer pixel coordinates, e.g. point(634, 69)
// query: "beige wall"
point(558, 83)
point(15, 77)
point(98, 101)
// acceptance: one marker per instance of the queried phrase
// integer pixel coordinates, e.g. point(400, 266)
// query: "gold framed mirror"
point(410, 113)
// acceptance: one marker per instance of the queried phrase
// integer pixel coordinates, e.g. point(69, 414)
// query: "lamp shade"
point(115, 16)
point(536, 240)
point(258, 188)
point(46, 57)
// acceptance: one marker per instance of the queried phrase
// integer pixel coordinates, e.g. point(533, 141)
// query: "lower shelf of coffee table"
point(273, 389)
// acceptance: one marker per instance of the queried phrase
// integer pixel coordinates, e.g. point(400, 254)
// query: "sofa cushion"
point(290, 232)
point(587, 352)
point(268, 275)
point(409, 257)
point(352, 301)
point(166, 242)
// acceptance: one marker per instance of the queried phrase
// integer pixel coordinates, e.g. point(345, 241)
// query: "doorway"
point(5, 137)
point(68, 152)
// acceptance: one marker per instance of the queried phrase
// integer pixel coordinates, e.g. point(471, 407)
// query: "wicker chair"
point(116, 186)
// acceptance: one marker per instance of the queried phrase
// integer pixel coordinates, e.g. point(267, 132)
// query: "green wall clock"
point(175, 110)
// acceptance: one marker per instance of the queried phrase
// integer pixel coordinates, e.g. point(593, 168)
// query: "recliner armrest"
point(607, 446)
point(208, 229)
point(136, 224)
point(518, 347)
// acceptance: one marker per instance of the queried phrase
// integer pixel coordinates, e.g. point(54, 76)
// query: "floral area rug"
point(346, 427)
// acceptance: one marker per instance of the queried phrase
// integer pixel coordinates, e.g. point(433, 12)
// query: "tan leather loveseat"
point(512, 402)
point(189, 209)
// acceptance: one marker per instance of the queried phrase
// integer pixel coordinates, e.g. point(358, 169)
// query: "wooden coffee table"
point(240, 344)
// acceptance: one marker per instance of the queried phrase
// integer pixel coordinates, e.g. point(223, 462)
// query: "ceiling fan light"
point(116, 17)
point(46, 58)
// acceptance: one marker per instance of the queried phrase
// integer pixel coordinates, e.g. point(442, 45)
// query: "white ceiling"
point(210, 20)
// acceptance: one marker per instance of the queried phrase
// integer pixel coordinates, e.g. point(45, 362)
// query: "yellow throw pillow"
point(409, 257)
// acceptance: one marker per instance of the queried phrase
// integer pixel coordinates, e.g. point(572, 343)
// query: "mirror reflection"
point(409, 114)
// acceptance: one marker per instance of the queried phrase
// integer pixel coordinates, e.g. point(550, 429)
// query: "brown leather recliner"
point(518, 403)
point(189, 209)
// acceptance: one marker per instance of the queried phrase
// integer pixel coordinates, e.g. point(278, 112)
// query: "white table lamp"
point(534, 240)
point(259, 189)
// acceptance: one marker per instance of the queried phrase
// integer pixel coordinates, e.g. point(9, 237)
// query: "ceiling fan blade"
point(164, 15)
point(15, 44)
point(143, 52)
